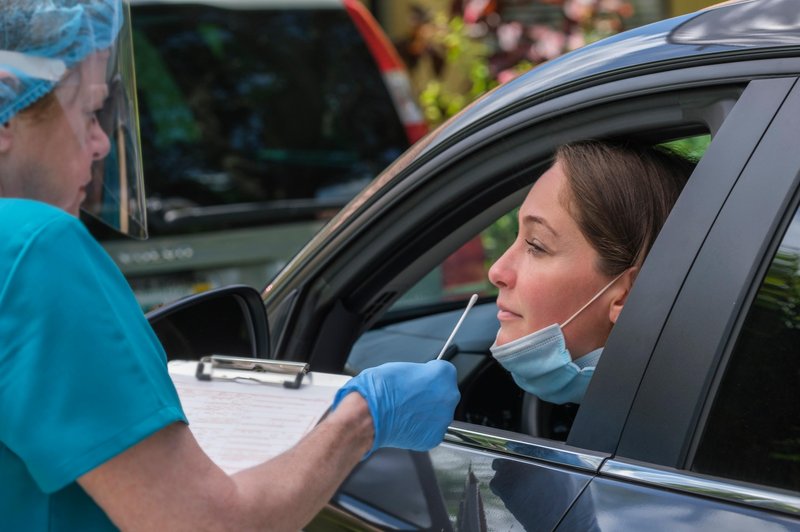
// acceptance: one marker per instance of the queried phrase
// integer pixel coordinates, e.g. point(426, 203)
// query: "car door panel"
point(611, 504)
point(514, 494)
point(488, 480)
point(414, 502)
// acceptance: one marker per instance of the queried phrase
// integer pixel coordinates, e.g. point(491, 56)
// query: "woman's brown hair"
point(48, 105)
point(620, 194)
point(42, 109)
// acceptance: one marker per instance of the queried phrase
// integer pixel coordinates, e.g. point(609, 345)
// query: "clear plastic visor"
point(115, 195)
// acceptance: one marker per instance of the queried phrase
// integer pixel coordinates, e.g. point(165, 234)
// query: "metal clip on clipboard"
point(223, 367)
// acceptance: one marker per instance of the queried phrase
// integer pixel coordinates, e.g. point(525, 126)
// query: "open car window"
point(416, 326)
point(462, 273)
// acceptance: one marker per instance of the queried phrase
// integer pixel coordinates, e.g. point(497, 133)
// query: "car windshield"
point(284, 108)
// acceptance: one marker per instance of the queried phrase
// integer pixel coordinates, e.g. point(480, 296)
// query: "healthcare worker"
point(585, 229)
point(92, 434)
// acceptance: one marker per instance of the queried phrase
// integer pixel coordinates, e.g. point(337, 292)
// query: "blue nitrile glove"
point(411, 404)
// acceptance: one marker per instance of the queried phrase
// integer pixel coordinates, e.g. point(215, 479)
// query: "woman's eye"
point(534, 248)
point(91, 117)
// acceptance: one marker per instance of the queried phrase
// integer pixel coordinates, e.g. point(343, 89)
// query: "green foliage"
point(780, 292)
point(692, 148)
point(456, 54)
point(465, 71)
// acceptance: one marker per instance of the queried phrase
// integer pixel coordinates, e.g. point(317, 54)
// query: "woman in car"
point(585, 228)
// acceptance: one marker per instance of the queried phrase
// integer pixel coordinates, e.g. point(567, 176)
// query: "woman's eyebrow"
point(530, 219)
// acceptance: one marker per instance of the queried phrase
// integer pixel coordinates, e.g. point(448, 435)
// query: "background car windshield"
point(241, 106)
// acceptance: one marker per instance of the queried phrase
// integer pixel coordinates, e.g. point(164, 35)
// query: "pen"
point(472, 301)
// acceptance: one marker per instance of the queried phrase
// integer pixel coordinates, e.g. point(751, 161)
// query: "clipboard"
point(230, 368)
point(244, 411)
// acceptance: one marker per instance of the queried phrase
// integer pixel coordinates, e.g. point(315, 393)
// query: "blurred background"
point(260, 120)
point(458, 49)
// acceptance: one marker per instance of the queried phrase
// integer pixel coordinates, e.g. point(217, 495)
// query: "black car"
point(692, 419)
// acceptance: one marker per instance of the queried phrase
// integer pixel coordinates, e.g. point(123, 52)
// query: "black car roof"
point(727, 32)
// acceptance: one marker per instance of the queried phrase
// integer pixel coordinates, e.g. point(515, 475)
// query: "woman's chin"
point(505, 336)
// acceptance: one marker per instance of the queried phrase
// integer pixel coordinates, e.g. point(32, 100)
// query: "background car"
point(692, 418)
point(259, 121)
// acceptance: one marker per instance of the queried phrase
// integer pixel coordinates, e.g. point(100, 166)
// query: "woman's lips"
point(503, 314)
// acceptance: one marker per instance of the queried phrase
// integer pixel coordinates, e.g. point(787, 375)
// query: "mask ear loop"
point(597, 295)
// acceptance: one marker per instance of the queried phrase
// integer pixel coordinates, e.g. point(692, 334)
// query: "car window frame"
point(502, 159)
point(345, 310)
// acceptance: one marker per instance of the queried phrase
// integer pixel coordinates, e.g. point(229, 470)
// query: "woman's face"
point(49, 158)
point(550, 272)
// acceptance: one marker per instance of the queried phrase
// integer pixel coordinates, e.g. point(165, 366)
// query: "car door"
point(711, 441)
point(494, 478)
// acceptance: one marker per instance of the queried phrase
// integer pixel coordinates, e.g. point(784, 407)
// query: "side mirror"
point(230, 321)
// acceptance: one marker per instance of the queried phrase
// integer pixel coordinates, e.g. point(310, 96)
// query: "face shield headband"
point(82, 50)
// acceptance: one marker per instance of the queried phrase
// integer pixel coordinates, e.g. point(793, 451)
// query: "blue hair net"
point(41, 39)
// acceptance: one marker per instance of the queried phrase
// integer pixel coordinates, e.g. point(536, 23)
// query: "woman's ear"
point(620, 293)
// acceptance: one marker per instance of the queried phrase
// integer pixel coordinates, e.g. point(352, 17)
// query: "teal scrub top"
point(82, 375)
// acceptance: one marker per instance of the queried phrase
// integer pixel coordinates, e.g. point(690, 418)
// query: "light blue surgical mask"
point(540, 362)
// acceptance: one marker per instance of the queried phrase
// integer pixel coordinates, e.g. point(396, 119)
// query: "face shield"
point(116, 193)
point(82, 52)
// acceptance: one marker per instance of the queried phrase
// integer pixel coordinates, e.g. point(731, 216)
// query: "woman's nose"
point(501, 274)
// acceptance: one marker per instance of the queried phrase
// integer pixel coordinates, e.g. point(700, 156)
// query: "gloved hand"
point(411, 404)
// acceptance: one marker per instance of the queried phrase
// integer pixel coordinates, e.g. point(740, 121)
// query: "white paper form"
point(241, 424)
